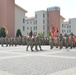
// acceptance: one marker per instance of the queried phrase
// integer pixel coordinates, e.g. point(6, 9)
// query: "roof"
point(30, 18)
point(62, 17)
point(21, 8)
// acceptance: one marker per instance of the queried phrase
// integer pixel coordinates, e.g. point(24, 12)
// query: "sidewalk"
point(17, 61)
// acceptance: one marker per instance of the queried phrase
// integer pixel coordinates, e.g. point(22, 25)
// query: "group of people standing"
point(53, 41)
point(63, 41)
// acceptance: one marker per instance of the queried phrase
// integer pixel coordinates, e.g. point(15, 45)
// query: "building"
point(43, 20)
point(53, 17)
point(72, 23)
point(20, 19)
point(7, 16)
point(66, 28)
point(12, 17)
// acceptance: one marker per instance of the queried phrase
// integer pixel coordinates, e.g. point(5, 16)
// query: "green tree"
point(30, 33)
point(48, 34)
point(2, 32)
point(18, 33)
point(41, 34)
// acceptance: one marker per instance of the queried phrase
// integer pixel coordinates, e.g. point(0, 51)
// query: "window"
point(43, 15)
point(69, 22)
point(23, 28)
point(27, 28)
point(34, 28)
point(30, 28)
point(27, 22)
point(62, 31)
point(23, 20)
point(30, 22)
point(43, 21)
point(36, 16)
point(36, 22)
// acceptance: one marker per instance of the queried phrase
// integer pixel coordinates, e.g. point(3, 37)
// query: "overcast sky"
point(68, 7)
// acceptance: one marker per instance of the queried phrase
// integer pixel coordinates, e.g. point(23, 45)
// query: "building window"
point(30, 28)
point(36, 16)
point(36, 22)
point(23, 28)
point(43, 21)
point(69, 22)
point(62, 31)
point(30, 22)
point(43, 15)
point(27, 28)
point(27, 22)
point(23, 20)
point(36, 27)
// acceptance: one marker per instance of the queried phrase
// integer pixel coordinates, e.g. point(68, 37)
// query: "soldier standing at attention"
point(71, 41)
point(61, 41)
point(29, 42)
point(39, 41)
point(51, 42)
point(2, 41)
point(6, 41)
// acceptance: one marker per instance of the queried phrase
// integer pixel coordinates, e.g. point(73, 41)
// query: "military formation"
point(67, 41)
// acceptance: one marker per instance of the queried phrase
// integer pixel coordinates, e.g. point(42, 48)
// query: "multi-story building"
point(19, 19)
point(7, 15)
point(72, 23)
point(43, 20)
point(53, 17)
point(66, 28)
point(37, 24)
point(12, 17)
point(69, 27)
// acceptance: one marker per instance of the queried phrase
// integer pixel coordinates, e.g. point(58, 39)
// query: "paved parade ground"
point(18, 61)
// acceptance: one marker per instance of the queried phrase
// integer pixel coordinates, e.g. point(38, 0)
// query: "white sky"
point(68, 7)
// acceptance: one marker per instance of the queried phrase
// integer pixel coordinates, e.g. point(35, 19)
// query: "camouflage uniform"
point(57, 42)
point(61, 41)
point(51, 42)
point(6, 41)
point(29, 43)
point(71, 41)
point(39, 41)
point(2, 41)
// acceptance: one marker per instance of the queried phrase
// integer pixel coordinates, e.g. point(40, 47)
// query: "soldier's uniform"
point(61, 41)
point(29, 43)
point(6, 41)
point(2, 41)
point(51, 42)
point(39, 41)
point(57, 42)
point(71, 41)
point(35, 43)
point(15, 41)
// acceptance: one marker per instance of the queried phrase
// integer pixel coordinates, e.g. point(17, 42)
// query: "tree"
point(41, 34)
point(49, 33)
point(18, 33)
point(2, 32)
point(30, 33)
